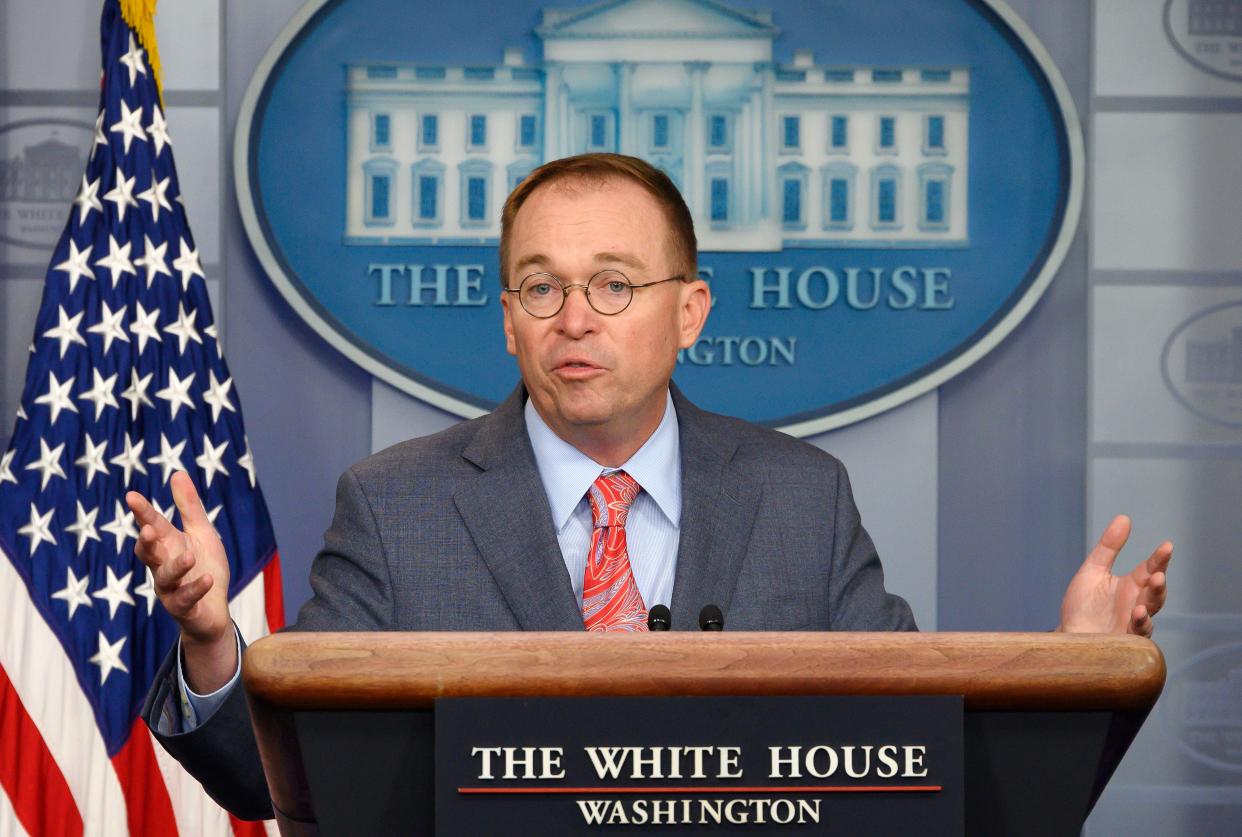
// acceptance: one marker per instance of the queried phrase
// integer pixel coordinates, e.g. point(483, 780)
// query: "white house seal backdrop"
point(914, 172)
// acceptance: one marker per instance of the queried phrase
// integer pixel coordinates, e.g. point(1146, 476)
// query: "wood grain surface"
point(994, 671)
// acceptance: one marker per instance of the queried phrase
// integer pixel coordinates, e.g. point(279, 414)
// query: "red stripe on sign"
point(273, 594)
point(247, 828)
point(717, 789)
point(29, 775)
point(146, 798)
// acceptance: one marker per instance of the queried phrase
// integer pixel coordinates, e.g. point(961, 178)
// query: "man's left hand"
point(1097, 601)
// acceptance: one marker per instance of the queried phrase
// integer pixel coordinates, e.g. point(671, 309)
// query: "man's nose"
point(577, 317)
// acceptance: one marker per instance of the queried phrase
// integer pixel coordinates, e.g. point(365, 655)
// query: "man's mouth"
point(576, 368)
point(576, 363)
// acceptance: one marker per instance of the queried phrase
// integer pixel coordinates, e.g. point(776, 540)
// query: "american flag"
point(126, 384)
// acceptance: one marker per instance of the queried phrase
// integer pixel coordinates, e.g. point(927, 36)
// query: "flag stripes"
point(37, 787)
point(126, 383)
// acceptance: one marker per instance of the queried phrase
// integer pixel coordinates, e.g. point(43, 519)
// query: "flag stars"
point(57, 396)
point(177, 392)
point(135, 249)
point(158, 130)
point(153, 260)
point(67, 330)
point(6, 467)
point(117, 261)
point(156, 197)
point(188, 264)
point(166, 513)
point(110, 327)
point(102, 393)
point(169, 457)
point(136, 393)
point(39, 529)
point(115, 592)
point(87, 199)
point(101, 137)
point(92, 458)
point(48, 463)
point(74, 592)
point(129, 460)
point(144, 327)
point(147, 590)
point(184, 328)
point(76, 265)
point(210, 460)
point(133, 61)
point(246, 460)
point(121, 527)
point(129, 126)
point(217, 395)
point(108, 657)
point(84, 528)
point(122, 194)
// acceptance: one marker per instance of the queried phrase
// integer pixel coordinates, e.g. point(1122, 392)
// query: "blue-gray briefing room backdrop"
point(1119, 391)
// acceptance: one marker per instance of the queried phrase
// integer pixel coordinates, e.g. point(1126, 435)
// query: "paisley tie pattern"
point(610, 597)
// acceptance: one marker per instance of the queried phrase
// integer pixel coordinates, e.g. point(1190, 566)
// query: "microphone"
point(659, 619)
point(711, 619)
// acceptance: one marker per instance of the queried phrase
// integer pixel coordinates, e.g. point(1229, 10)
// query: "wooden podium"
point(344, 720)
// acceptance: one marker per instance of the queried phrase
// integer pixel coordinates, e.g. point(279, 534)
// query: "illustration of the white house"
point(767, 156)
point(1215, 361)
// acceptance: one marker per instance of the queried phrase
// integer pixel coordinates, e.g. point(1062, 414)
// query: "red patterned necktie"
point(610, 597)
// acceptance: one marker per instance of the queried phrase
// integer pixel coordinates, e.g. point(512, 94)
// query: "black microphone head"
point(659, 618)
point(711, 619)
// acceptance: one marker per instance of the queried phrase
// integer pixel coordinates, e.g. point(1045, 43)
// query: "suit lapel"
point(718, 506)
point(506, 511)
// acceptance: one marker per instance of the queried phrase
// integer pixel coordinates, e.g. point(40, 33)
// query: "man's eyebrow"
point(627, 259)
point(535, 260)
point(541, 262)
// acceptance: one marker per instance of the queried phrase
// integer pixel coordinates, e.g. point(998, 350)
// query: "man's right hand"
point(191, 574)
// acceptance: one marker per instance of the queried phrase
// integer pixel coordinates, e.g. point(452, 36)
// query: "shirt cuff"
point(197, 709)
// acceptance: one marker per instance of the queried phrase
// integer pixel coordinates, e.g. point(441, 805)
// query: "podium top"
point(993, 671)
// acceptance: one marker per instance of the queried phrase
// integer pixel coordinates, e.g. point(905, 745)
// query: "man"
point(593, 493)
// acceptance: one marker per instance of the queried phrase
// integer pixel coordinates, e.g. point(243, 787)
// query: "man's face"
point(593, 378)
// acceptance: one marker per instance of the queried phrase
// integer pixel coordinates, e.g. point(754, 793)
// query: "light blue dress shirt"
point(653, 527)
point(652, 530)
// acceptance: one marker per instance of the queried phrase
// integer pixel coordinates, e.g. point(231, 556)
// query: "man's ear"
point(696, 302)
point(510, 342)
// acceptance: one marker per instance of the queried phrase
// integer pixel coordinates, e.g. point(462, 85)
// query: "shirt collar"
point(567, 472)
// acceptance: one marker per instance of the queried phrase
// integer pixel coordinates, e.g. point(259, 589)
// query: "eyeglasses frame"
point(586, 291)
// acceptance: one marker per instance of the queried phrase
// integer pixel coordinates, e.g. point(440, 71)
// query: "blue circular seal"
point(881, 190)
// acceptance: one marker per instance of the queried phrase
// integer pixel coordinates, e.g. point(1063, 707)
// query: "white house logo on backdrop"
point(861, 156)
point(1202, 363)
point(881, 190)
point(1208, 34)
point(1201, 710)
point(41, 163)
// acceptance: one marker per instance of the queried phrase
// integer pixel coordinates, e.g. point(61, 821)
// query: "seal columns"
point(766, 139)
point(743, 165)
point(624, 73)
point(693, 190)
point(565, 122)
point(551, 111)
point(756, 166)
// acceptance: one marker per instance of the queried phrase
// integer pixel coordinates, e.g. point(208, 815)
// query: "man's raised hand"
point(1097, 601)
point(191, 574)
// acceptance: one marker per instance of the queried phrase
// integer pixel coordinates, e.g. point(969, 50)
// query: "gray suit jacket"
point(453, 532)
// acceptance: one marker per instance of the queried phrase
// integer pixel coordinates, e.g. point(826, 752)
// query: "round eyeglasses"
point(608, 292)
